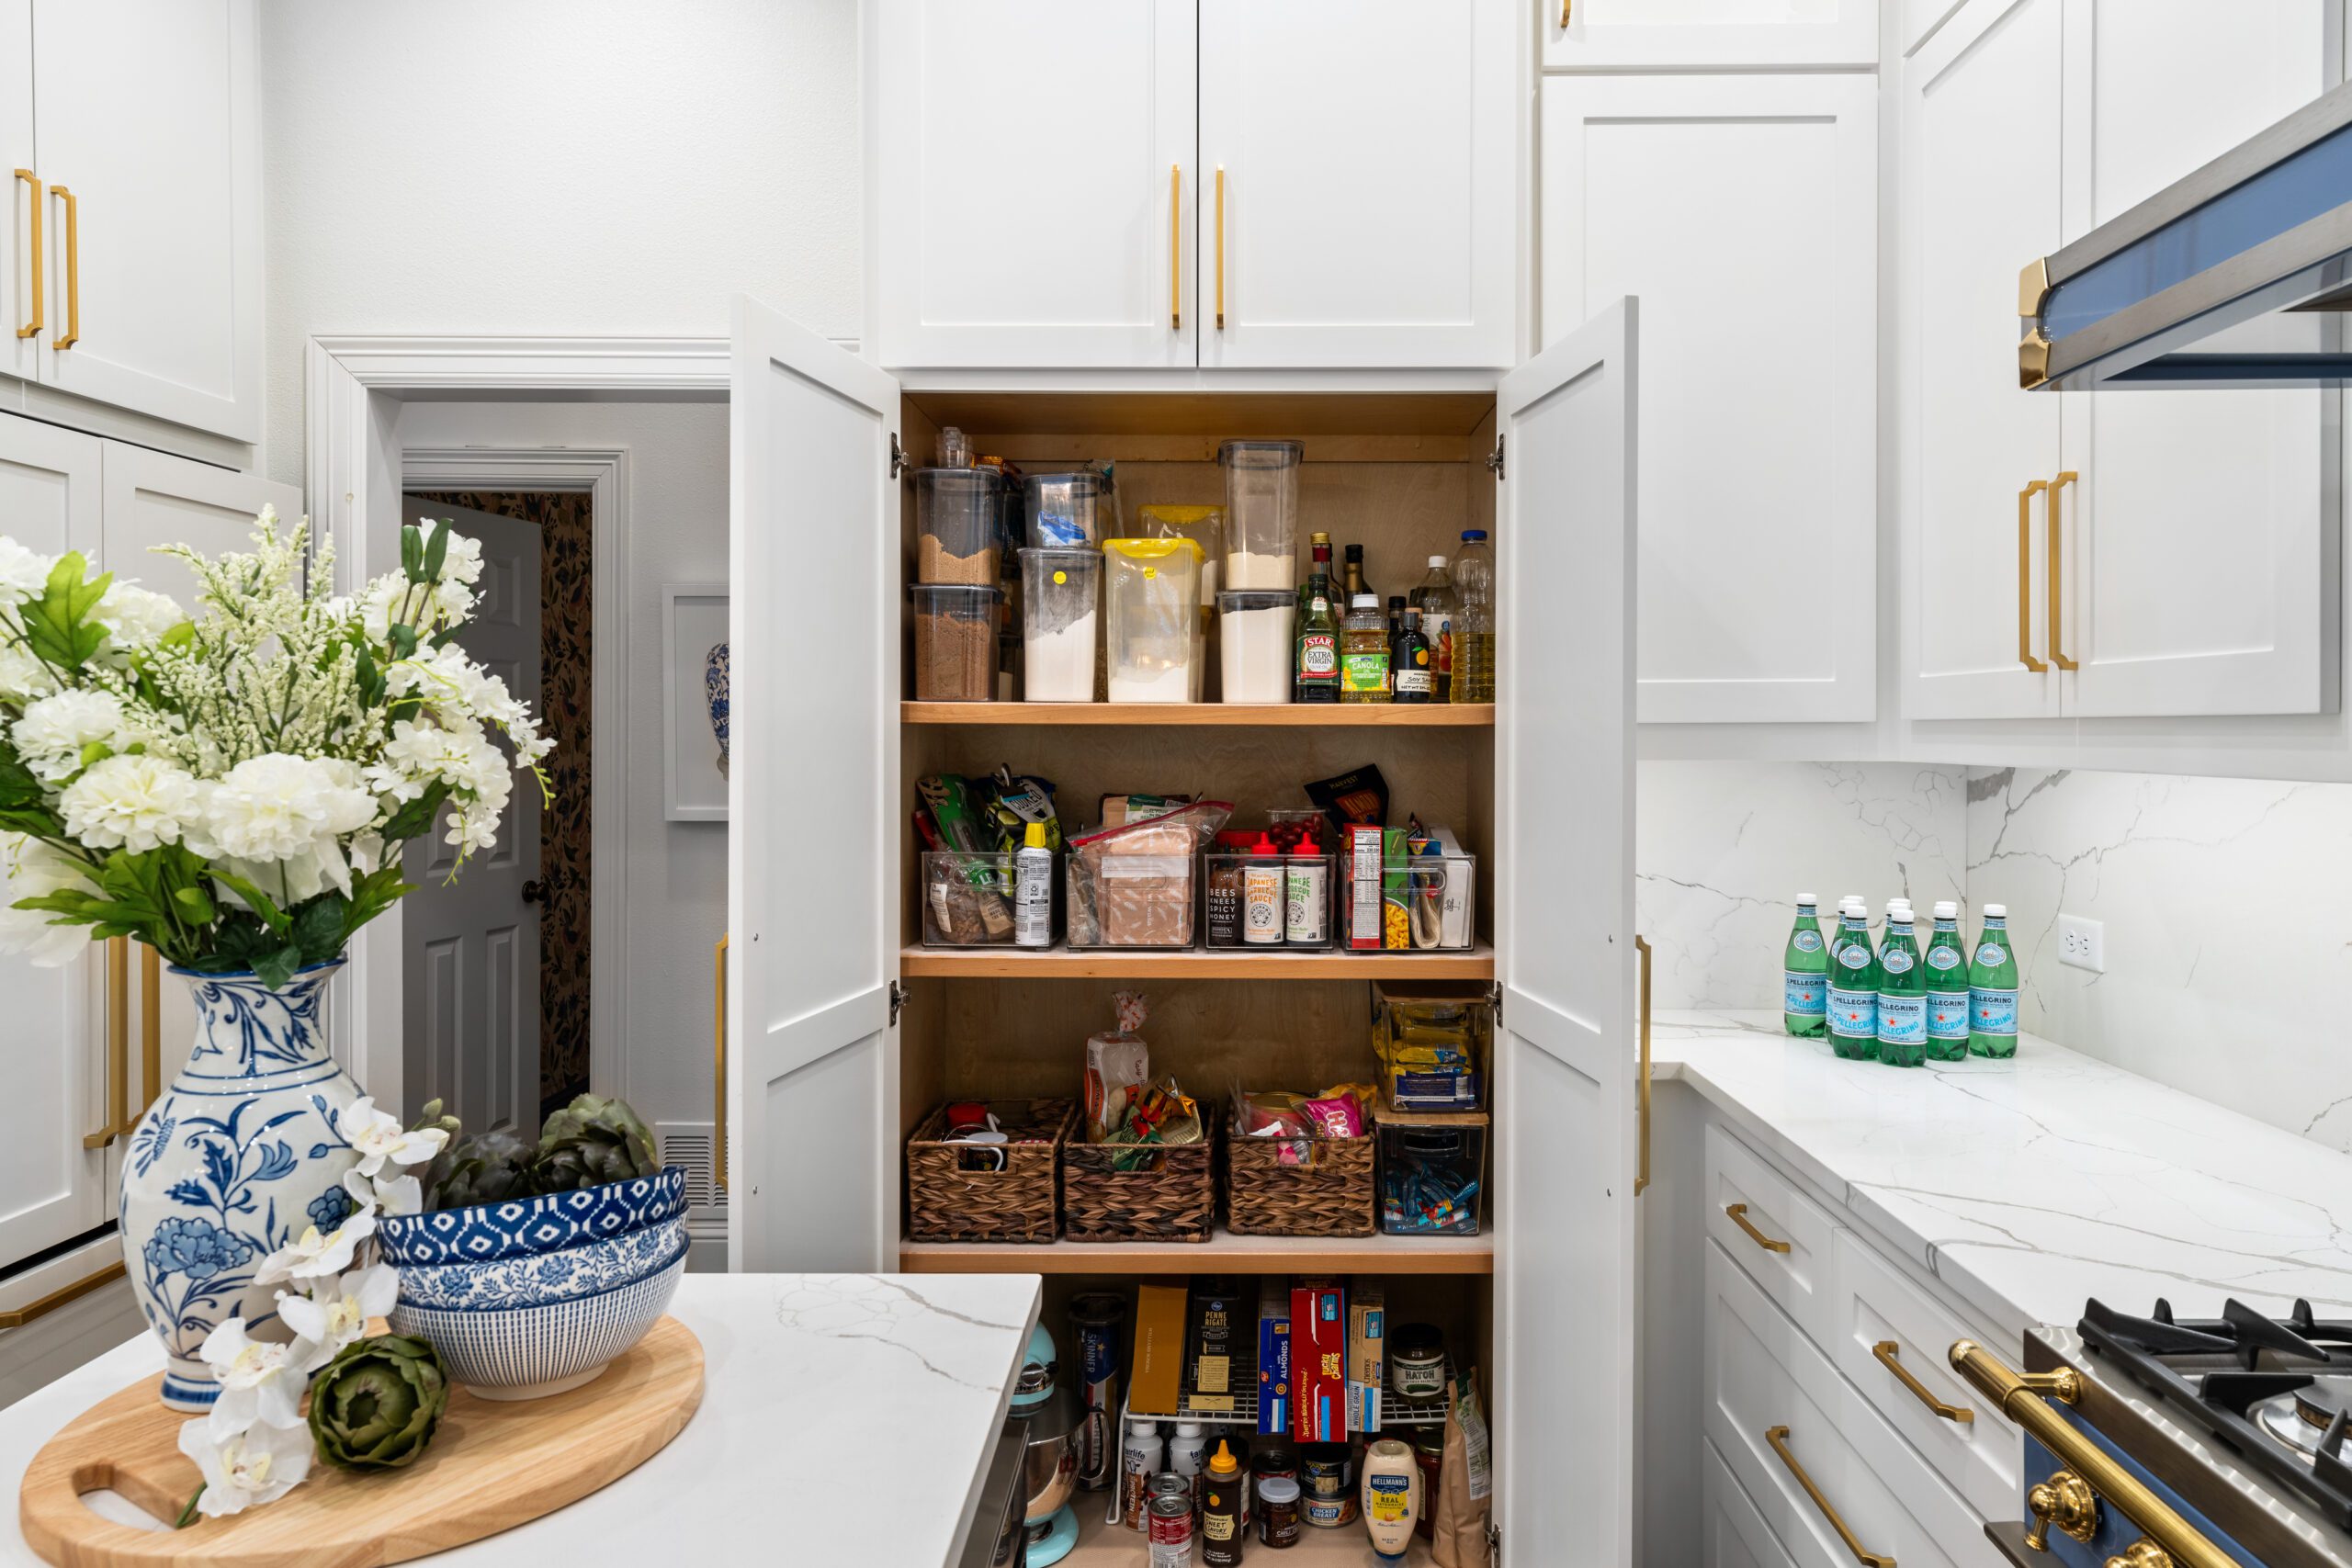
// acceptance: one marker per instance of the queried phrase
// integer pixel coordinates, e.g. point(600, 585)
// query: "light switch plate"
point(2082, 944)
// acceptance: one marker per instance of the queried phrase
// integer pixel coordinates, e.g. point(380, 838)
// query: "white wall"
point(552, 166)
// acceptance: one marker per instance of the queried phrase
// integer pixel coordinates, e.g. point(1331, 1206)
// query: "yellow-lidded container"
point(1151, 599)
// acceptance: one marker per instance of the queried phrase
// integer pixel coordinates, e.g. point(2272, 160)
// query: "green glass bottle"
point(1853, 986)
point(1902, 994)
point(1804, 990)
point(1992, 989)
point(1947, 987)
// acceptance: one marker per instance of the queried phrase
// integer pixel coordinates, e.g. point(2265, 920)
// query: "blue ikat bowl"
point(529, 1227)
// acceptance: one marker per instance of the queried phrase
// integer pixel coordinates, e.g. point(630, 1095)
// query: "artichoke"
point(376, 1405)
point(481, 1167)
point(593, 1143)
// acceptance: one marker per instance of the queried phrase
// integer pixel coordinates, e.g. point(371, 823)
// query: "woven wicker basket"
point(1331, 1194)
point(947, 1202)
point(1174, 1201)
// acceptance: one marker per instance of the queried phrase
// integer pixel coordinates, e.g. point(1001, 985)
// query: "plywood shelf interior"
point(1104, 1545)
point(1223, 1253)
point(1194, 963)
point(1277, 715)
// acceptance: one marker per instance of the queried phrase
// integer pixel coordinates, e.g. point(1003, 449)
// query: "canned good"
point(1327, 1513)
point(1167, 1483)
point(1096, 1320)
point(1326, 1471)
point(1171, 1522)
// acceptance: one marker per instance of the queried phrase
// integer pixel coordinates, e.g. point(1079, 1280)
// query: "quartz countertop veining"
point(844, 1418)
point(2030, 1185)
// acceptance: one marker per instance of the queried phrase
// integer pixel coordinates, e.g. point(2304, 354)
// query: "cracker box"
point(1318, 1356)
point(1367, 1330)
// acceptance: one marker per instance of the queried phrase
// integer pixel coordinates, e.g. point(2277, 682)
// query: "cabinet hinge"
point(898, 1000)
point(1495, 1544)
point(898, 458)
point(1495, 457)
point(1494, 1001)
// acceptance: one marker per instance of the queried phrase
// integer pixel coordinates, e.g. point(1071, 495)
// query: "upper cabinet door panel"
point(20, 356)
point(145, 113)
point(1370, 205)
point(1610, 34)
point(1036, 185)
point(1758, 386)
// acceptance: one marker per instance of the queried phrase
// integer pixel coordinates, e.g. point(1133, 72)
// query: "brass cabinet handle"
point(2024, 576)
point(2067, 1501)
point(2141, 1553)
point(32, 327)
point(1566, 8)
point(1779, 1438)
point(719, 1115)
point(2057, 653)
point(1220, 247)
point(151, 1032)
point(1886, 1350)
point(119, 1119)
point(72, 268)
point(1175, 247)
point(1738, 1213)
point(1642, 1090)
point(58, 1297)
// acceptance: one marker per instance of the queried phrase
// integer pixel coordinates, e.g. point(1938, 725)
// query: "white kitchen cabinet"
point(22, 307)
point(1615, 34)
point(1742, 211)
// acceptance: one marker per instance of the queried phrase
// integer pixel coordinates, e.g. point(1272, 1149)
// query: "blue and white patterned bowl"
point(522, 1227)
point(526, 1352)
point(541, 1278)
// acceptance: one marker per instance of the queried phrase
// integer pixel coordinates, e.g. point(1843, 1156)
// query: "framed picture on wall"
point(694, 689)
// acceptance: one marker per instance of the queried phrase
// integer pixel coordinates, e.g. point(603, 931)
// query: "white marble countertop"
point(844, 1418)
point(2032, 1185)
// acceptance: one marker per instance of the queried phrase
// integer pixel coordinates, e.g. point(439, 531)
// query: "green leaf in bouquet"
point(259, 902)
point(413, 552)
point(404, 640)
point(194, 909)
point(19, 784)
point(180, 635)
point(319, 927)
point(274, 969)
point(416, 816)
point(38, 820)
point(96, 752)
point(57, 625)
point(438, 552)
point(370, 678)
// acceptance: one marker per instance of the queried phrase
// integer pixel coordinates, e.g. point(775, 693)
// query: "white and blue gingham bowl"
point(519, 1227)
point(544, 1279)
point(525, 1352)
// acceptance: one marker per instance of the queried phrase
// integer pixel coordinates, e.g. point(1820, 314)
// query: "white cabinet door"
point(52, 1188)
point(1035, 184)
point(2192, 579)
point(22, 309)
point(1564, 1097)
point(1606, 34)
point(812, 1046)
point(145, 114)
point(1369, 210)
point(1980, 198)
point(1743, 212)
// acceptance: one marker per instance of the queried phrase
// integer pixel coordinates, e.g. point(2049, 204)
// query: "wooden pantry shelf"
point(1224, 1252)
point(1102, 1544)
point(1059, 962)
point(1282, 716)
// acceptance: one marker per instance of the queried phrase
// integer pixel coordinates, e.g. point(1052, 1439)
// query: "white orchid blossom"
point(378, 1138)
point(260, 1380)
point(336, 1312)
point(314, 1255)
point(259, 1465)
point(387, 1194)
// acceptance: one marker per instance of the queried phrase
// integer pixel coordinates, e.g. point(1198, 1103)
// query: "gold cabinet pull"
point(1738, 1213)
point(33, 327)
point(1566, 6)
point(2057, 596)
point(151, 1030)
point(719, 1112)
point(119, 1119)
point(1886, 1351)
point(1779, 1438)
point(1220, 247)
point(1642, 1090)
point(2024, 576)
point(72, 268)
point(1175, 247)
point(58, 1297)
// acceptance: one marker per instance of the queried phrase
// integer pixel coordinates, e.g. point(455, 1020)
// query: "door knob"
point(2067, 1501)
point(534, 891)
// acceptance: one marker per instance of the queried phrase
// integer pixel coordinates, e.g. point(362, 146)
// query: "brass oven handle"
point(1886, 1352)
point(1175, 247)
point(33, 327)
point(2024, 1399)
point(1220, 247)
point(719, 1116)
point(72, 268)
point(1778, 1437)
point(1738, 1213)
point(2057, 653)
point(1642, 1090)
point(118, 1047)
point(63, 1293)
point(2024, 576)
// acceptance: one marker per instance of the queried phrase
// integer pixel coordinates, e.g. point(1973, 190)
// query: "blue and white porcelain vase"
point(241, 1155)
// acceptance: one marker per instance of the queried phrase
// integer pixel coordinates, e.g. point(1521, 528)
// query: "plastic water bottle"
point(1853, 986)
point(1947, 987)
point(1902, 994)
point(1804, 991)
point(1992, 989)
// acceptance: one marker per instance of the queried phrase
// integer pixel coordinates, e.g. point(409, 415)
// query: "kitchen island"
point(844, 1418)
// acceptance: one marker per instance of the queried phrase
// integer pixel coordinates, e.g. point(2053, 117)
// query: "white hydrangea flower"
point(276, 808)
point(31, 869)
point(254, 1467)
point(22, 676)
point(133, 802)
point(135, 618)
point(53, 730)
point(23, 574)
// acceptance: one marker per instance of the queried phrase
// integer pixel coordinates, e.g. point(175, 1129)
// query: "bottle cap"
point(1356, 552)
point(1395, 603)
point(1438, 561)
point(1033, 836)
point(1947, 911)
point(1265, 845)
point(1222, 1463)
point(1996, 912)
point(1898, 914)
point(1367, 601)
point(1807, 899)
point(1476, 535)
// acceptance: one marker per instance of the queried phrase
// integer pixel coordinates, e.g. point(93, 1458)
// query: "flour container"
point(1061, 592)
point(956, 526)
point(1254, 643)
point(1152, 616)
point(1064, 510)
point(1261, 512)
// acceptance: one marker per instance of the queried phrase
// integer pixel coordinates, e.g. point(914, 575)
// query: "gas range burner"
point(2305, 1417)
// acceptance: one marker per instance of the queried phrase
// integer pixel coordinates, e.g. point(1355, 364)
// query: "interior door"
point(1370, 212)
point(2193, 581)
point(1037, 183)
point(812, 1043)
point(1980, 195)
point(145, 111)
point(20, 356)
point(470, 937)
point(1564, 1094)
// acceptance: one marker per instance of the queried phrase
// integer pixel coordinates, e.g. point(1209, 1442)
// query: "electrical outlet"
point(2082, 944)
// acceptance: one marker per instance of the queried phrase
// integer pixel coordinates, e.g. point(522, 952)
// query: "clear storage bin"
point(955, 642)
point(967, 899)
point(1266, 903)
point(1068, 510)
point(1254, 641)
point(1061, 590)
point(1151, 611)
point(1442, 901)
point(1430, 1172)
point(1261, 512)
point(1138, 885)
point(956, 526)
point(1433, 1040)
point(1205, 525)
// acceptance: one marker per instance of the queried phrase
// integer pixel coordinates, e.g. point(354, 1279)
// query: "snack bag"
point(1466, 1481)
point(1118, 1066)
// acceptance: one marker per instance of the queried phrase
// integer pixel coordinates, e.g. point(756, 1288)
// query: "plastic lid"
point(1436, 560)
point(1085, 481)
point(1261, 454)
point(1365, 602)
point(1277, 1489)
point(1059, 554)
point(956, 595)
point(1222, 1463)
point(1898, 914)
point(1947, 911)
point(1142, 1426)
point(1996, 912)
point(1033, 836)
point(1179, 514)
point(1807, 899)
point(1477, 534)
point(1151, 549)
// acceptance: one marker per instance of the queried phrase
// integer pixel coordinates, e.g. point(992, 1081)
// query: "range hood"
point(2236, 275)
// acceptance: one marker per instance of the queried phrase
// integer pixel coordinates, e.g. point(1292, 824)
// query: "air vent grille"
point(687, 1145)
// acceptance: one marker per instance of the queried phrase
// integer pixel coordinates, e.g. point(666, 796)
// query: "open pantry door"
point(1563, 1079)
point(811, 1053)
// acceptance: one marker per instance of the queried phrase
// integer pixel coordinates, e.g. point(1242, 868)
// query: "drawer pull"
point(1738, 1213)
point(33, 327)
point(1886, 1350)
point(2141, 1553)
point(106, 1274)
point(1778, 1437)
point(2024, 576)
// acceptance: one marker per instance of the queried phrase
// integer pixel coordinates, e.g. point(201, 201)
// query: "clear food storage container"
point(956, 526)
point(1250, 899)
point(1061, 590)
point(1440, 900)
point(1261, 512)
point(955, 642)
point(1205, 525)
point(967, 899)
point(1064, 510)
point(1134, 884)
point(1430, 1172)
point(1255, 649)
point(1152, 611)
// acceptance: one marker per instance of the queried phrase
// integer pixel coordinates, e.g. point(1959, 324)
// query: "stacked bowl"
point(531, 1296)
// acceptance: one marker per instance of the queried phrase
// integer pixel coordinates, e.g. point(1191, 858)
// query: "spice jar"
point(1417, 1362)
point(1278, 1512)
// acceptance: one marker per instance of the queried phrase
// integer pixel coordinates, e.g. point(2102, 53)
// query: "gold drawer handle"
point(1738, 1213)
point(58, 1297)
point(1778, 1437)
point(1642, 1093)
point(1220, 247)
point(2141, 1553)
point(1886, 1350)
point(1175, 247)
point(719, 1112)
point(72, 268)
point(33, 327)
point(2024, 576)
point(2057, 595)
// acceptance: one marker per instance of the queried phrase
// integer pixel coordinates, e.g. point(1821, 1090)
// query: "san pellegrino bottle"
point(1805, 992)
point(1947, 987)
point(1902, 994)
point(1853, 986)
point(1992, 989)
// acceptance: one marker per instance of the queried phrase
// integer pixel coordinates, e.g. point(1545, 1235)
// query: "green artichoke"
point(481, 1167)
point(375, 1405)
point(593, 1143)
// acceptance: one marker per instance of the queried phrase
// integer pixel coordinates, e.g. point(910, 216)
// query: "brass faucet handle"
point(2141, 1553)
point(2067, 1501)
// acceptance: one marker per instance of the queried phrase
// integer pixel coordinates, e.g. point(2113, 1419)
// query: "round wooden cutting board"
point(493, 1464)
